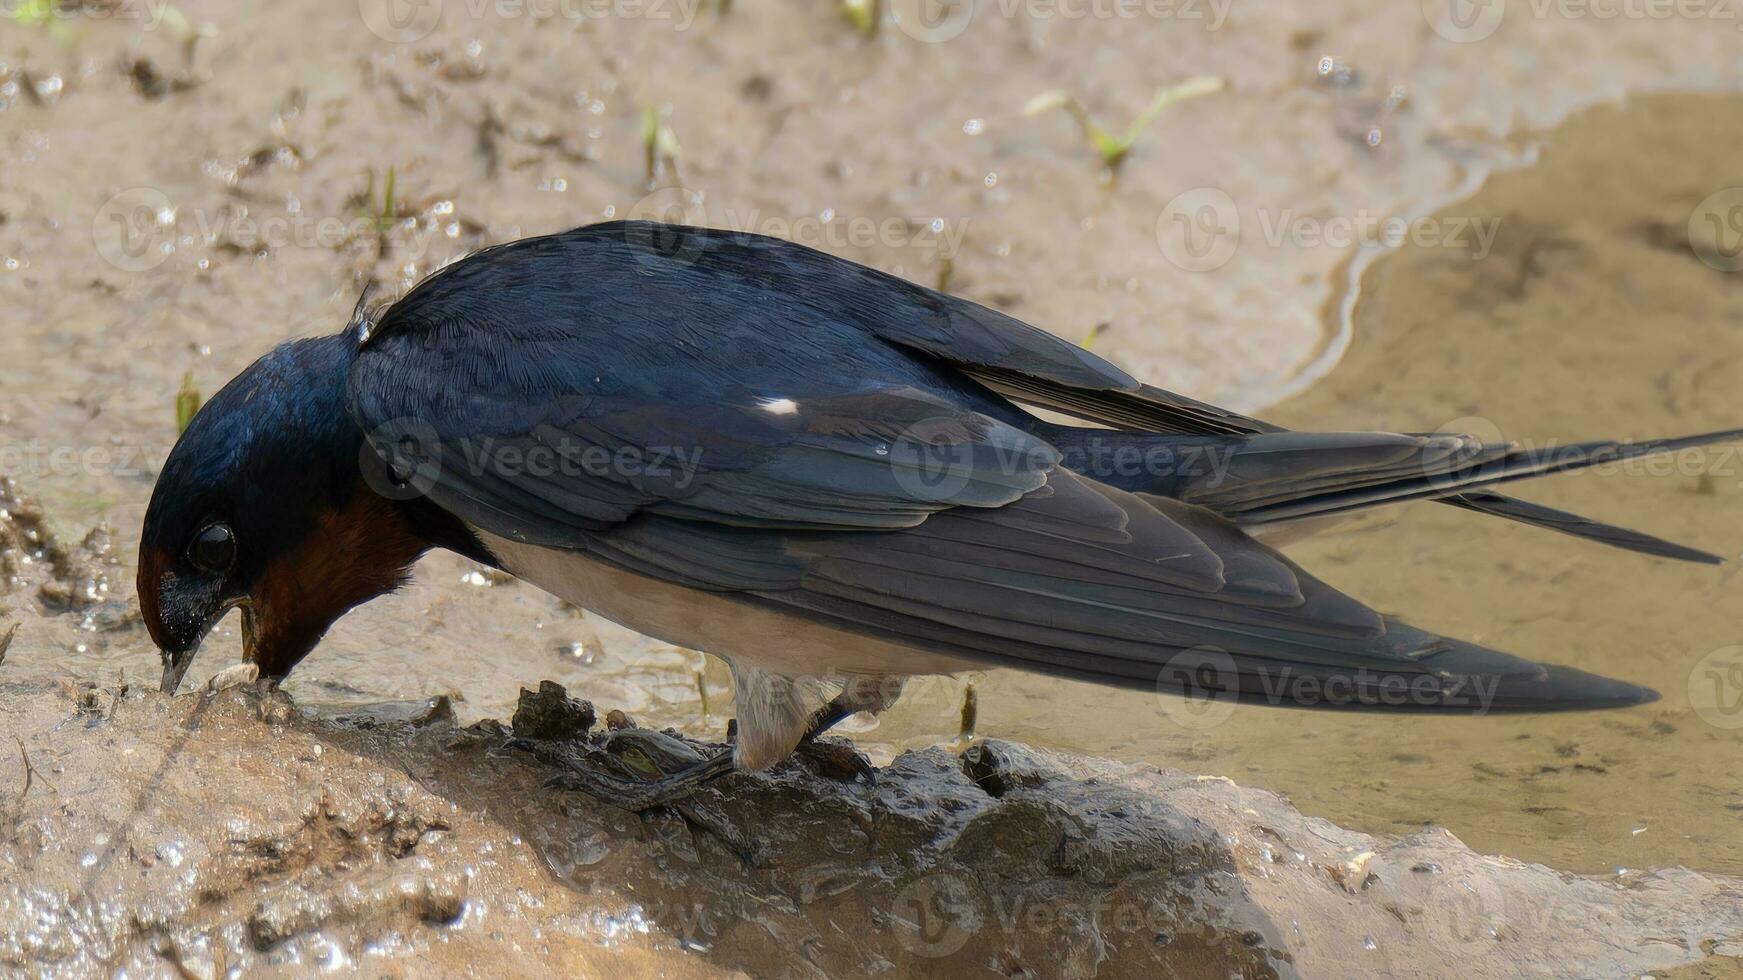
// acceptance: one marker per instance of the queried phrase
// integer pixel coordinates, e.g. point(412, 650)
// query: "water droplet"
point(991, 180)
point(580, 652)
point(974, 127)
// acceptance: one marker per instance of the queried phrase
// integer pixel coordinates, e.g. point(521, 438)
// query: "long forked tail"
point(1276, 477)
point(1537, 515)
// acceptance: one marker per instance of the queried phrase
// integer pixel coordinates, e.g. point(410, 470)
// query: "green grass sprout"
point(659, 145)
point(188, 403)
point(33, 13)
point(862, 14)
point(1113, 149)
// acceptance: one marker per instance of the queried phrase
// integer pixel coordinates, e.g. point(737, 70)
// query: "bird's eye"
point(214, 549)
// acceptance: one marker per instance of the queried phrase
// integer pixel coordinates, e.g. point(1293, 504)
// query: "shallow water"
point(1591, 317)
point(501, 127)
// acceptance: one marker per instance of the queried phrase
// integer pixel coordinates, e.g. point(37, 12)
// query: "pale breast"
point(713, 622)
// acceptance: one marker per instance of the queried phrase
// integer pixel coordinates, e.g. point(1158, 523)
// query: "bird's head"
point(262, 506)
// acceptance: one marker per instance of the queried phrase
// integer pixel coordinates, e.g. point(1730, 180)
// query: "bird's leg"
point(835, 759)
point(672, 791)
point(638, 795)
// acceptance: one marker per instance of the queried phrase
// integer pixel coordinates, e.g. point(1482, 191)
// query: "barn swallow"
point(826, 475)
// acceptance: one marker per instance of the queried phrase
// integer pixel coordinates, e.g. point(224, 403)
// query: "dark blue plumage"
point(660, 411)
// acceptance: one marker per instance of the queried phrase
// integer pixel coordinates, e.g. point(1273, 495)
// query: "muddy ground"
point(180, 192)
point(229, 833)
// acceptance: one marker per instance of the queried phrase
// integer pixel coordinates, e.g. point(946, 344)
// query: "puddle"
point(1590, 317)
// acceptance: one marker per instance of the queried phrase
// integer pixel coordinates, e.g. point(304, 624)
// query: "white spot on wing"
point(779, 406)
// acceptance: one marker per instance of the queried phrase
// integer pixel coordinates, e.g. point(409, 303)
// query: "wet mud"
point(229, 833)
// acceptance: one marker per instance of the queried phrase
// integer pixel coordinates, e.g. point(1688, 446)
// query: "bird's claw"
point(838, 760)
point(587, 775)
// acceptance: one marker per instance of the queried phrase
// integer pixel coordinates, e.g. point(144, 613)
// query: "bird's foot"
point(673, 791)
point(837, 760)
point(589, 776)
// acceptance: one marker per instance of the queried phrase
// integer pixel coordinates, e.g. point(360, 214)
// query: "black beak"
point(175, 667)
point(180, 656)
